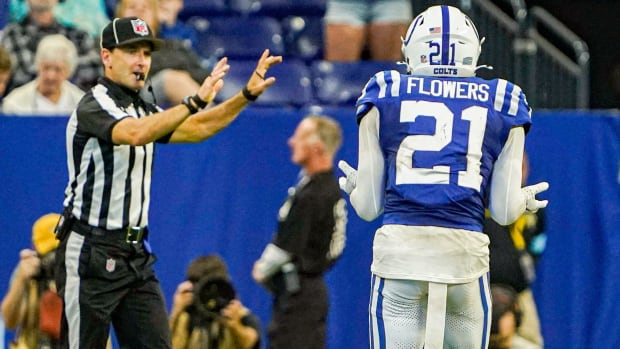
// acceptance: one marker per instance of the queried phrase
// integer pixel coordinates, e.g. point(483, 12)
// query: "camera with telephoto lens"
point(212, 294)
point(46, 267)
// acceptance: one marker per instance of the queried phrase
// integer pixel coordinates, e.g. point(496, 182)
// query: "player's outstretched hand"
point(213, 83)
point(348, 182)
point(259, 82)
point(531, 204)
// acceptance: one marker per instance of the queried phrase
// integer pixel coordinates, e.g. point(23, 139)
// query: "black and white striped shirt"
point(109, 184)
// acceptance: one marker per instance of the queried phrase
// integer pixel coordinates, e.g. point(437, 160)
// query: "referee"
point(309, 240)
point(104, 262)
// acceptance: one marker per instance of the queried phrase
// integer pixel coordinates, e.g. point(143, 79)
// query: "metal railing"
point(559, 69)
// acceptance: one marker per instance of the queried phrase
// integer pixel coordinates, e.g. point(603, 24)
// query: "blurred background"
point(222, 196)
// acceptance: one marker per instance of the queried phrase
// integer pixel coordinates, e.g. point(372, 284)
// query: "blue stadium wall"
point(222, 196)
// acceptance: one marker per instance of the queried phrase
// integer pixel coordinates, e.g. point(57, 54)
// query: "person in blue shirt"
point(171, 27)
point(436, 146)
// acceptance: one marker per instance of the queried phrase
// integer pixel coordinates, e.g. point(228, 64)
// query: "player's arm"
point(508, 200)
point(209, 122)
point(367, 194)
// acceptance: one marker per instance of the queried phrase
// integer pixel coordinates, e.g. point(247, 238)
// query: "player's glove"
point(531, 204)
point(347, 183)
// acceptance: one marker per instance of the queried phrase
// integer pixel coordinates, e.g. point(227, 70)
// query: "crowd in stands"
point(197, 34)
point(51, 92)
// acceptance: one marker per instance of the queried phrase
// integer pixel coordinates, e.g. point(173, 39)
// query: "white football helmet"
point(441, 41)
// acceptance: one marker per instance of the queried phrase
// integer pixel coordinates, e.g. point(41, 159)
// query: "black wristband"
point(246, 93)
point(186, 102)
point(199, 102)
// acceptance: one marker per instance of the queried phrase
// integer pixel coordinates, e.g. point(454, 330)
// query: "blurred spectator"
point(5, 71)
point(173, 28)
point(31, 305)
point(88, 15)
point(50, 93)
point(375, 25)
point(206, 313)
point(176, 70)
point(18, 9)
point(21, 40)
point(506, 320)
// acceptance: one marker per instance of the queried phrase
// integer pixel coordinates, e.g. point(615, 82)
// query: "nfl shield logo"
point(110, 265)
point(140, 27)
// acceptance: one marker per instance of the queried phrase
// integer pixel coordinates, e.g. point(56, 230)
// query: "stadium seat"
point(278, 8)
point(204, 8)
point(303, 37)
point(292, 88)
point(341, 83)
point(237, 37)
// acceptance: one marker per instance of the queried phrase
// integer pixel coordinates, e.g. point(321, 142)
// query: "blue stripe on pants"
point(378, 312)
point(485, 308)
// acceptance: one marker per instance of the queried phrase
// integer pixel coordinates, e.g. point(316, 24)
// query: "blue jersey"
point(440, 138)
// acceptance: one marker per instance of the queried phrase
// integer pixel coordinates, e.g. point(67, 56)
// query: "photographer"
point(206, 313)
point(31, 305)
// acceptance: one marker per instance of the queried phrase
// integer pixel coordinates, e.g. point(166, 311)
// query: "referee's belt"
point(130, 234)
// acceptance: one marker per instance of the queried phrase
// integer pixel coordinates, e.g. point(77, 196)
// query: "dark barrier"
point(222, 197)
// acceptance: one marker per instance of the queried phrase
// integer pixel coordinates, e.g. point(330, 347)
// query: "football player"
point(436, 146)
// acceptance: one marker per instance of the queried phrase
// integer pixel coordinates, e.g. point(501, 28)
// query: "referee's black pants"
point(105, 280)
point(300, 320)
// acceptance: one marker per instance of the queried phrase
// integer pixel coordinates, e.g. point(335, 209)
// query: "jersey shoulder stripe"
point(389, 83)
point(509, 99)
point(383, 84)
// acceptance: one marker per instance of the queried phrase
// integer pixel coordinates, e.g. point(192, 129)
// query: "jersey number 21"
point(406, 173)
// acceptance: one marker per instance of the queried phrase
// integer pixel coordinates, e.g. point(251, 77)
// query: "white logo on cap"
point(140, 27)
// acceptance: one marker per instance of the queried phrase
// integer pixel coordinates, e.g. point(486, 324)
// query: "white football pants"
point(410, 314)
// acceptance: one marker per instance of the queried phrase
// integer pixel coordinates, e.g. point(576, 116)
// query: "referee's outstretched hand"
point(259, 81)
point(213, 83)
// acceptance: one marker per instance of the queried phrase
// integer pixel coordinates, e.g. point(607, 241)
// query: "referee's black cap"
point(127, 30)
